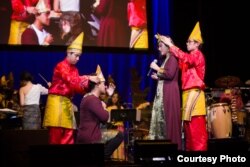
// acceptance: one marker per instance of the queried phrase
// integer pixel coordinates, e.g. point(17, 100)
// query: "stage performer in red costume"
point(193, 72)
point(59, 112)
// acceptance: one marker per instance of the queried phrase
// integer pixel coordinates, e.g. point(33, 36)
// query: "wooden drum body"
point(219, 120)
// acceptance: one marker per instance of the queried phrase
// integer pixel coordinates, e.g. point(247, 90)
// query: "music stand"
point(123, 115)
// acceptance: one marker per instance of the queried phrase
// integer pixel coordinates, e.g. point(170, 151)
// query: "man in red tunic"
point(193, 72)
point(59, 112)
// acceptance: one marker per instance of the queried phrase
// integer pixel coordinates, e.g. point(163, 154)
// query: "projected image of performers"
point(105, 23)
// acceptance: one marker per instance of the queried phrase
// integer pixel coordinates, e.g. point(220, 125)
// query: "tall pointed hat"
point(99, 73)
point(196, 33)
point(76, 45)
point(42, 7)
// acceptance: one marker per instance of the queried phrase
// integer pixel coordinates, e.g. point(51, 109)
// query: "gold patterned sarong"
point(193, 104)
point(59, 112)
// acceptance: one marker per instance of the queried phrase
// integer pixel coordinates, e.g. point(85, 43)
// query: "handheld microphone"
point(150, 70)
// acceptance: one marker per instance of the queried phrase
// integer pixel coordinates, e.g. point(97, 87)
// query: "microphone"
point(150, 70)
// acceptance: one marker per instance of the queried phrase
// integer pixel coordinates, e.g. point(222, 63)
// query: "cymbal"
point(227, 81)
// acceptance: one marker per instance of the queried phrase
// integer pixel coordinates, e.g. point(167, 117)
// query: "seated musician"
point(232, 96)
point(114, 103)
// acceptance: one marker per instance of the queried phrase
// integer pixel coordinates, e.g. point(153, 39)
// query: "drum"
point(219, 120)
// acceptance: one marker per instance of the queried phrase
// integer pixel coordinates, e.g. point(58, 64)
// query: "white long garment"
point(40, 34)
point(33, 96)
point(70, 5)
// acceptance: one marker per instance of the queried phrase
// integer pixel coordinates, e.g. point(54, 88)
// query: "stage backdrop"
point(224, 49)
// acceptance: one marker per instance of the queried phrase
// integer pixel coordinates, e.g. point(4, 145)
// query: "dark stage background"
point(223, 27)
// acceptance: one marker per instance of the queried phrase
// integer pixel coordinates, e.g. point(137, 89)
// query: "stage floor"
point(24, 148)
